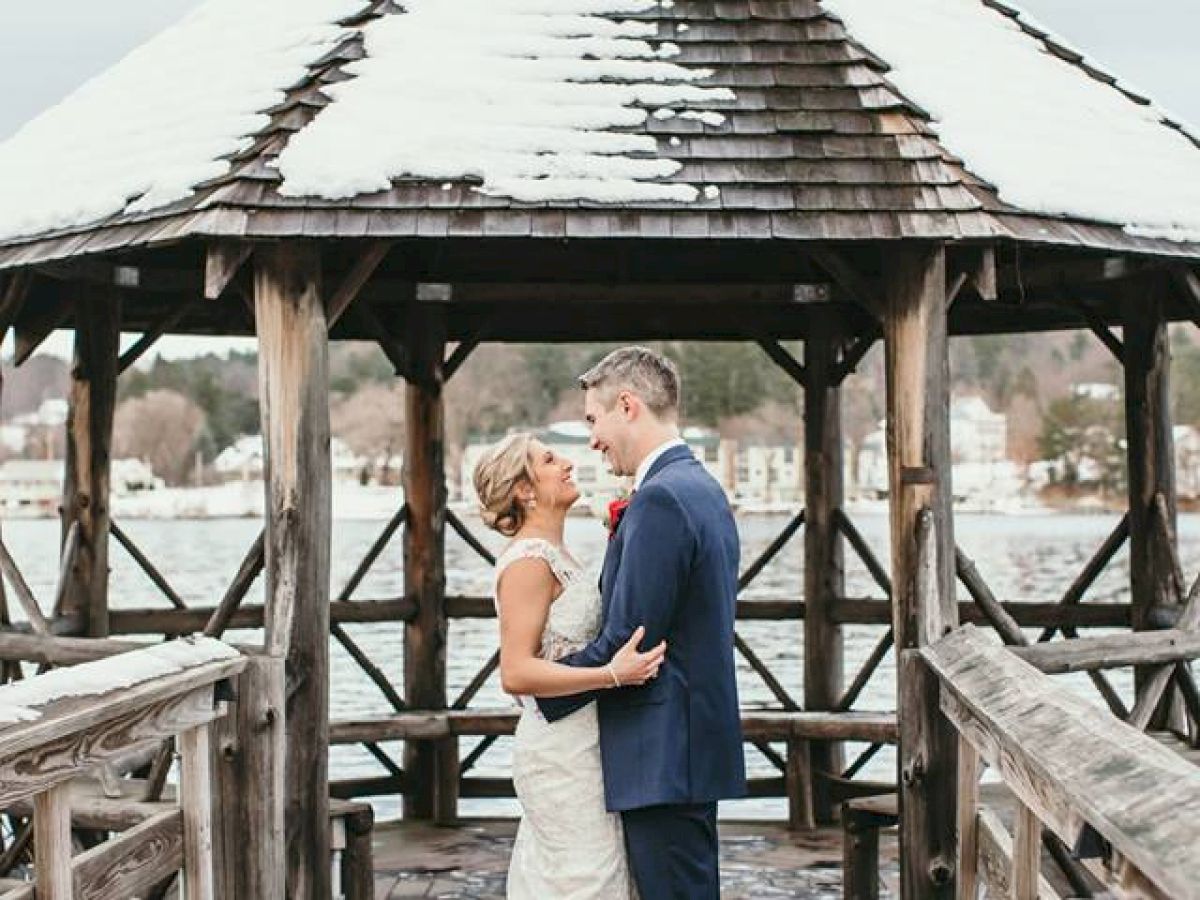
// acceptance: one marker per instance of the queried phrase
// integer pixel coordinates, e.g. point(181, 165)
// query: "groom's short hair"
point(640, 370)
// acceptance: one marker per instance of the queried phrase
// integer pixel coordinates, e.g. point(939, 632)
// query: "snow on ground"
point(1048, 136)
point(146, 131)
point(522, 95)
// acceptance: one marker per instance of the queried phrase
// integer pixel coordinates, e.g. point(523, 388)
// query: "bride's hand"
point(631, 666)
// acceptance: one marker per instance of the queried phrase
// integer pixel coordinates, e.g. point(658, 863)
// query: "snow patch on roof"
point(524, 96)
point(1050, 138)
point(144, 133)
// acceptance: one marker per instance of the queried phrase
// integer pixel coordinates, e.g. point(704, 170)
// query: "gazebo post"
point(824, 575)
point(1150, 454)
point(432, 776)
point(294, 401)
point(89, 430)
point(918, 437)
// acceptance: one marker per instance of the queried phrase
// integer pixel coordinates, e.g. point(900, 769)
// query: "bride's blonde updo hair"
point(497, 474)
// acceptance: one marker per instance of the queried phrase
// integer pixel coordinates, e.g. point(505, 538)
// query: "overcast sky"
point(48, 49)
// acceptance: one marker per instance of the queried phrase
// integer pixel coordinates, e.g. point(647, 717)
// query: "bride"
point(568, 845)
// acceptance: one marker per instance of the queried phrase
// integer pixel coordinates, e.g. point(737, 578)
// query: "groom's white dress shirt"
point(652, 457)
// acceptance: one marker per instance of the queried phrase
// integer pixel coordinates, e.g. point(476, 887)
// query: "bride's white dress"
point(568, 846)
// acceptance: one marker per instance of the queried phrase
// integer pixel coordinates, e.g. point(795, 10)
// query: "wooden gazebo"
point(770, 178)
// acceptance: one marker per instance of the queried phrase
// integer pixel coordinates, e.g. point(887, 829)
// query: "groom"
point(672, 747)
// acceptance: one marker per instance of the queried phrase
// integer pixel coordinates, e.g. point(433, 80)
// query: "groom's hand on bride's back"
point(631, 666)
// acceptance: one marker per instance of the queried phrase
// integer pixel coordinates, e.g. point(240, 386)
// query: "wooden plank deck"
point(760, 860)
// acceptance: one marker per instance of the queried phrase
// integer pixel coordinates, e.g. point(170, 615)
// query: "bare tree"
point(161, 428)
point(371, 422)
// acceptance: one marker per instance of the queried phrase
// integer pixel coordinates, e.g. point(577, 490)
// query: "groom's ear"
point(629, 404)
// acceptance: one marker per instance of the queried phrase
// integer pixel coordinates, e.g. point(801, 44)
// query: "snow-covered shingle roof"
point(848, 119)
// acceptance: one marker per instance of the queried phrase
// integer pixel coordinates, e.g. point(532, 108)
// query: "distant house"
point(30, 487)
point(1187, 461)
point(978, 448)
point(243, 460)
point(977, 435)
point(1097, 390)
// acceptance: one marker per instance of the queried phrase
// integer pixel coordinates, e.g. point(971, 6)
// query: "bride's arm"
point(526, 590)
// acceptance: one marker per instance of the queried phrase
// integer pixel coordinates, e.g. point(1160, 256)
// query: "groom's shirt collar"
point(652, 457)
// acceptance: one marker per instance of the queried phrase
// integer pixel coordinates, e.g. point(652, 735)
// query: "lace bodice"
point(574, 618)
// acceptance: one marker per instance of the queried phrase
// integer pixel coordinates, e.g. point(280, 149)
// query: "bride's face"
point(554, 478)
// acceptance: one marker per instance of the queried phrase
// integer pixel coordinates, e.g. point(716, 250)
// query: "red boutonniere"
point(616, 510)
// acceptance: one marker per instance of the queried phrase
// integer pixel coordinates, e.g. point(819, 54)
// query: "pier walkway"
point(759, 860)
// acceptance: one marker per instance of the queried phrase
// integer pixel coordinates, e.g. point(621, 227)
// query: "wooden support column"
point(824, 575)
point(248, 765)
point(91, 405)
point(923, 602)
point(294, 400)
point(431, 795)
point(1150, 453)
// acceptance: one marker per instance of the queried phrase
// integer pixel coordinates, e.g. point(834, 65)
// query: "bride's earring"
point(531, 503)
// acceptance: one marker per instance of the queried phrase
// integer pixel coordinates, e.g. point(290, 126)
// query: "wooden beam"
point(33, 328)
point(1100, 328)
point(20, 586)
point(133, 862)
point(372, 554)
point(824, 561)
point(782, 358)
point(294, 400)
point(173, 317)
point(857, 286)
point(360, 273)
point(1005, 625)
point(12, 298)
point(251, 567)
point(1150, 455)
point(1188, 283)
point(221, 264)
point(983, 275)
point(52, 838)
point(852, 356)
point(196, 802)
point(969, 770)
point(673, 294)
point(66, 565)
point(917, 367)
point(461, 353)
point(378, 332)
point(146, 566)
point(248, 762)
point(1154, 682)
point(103, 274)
point(86, 486)
point(995, 863)
point(1147, 648)
point(432, 725)
point(424, 546)
point(1091, 571)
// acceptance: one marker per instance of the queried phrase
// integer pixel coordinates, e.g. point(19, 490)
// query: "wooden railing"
point(1125, 804)
point(66, 723)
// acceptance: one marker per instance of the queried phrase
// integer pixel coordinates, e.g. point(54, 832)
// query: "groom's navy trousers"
point(672, 747)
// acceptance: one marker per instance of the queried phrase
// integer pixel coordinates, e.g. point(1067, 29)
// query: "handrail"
point(1103, 787)
point(65, 723)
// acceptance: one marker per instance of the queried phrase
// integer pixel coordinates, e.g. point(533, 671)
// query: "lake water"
point(1023, 558)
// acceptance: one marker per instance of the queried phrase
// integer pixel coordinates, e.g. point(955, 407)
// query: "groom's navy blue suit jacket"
point(672, 567)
